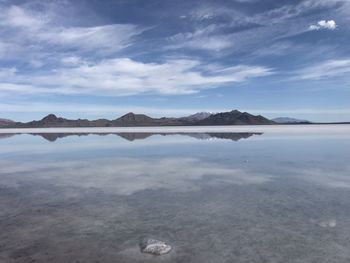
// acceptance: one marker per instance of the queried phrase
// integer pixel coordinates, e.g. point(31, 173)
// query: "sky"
point(93, 59)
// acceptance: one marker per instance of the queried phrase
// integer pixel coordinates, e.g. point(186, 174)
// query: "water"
point(218, 197)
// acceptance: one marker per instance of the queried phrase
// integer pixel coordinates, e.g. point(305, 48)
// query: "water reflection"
point(199, 136)
point(6, 135)
point(125, 176)
point(132, 136)
point(275, 199)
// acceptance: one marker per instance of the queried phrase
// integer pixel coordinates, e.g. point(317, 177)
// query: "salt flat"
point(290, 129)
point(284, 193)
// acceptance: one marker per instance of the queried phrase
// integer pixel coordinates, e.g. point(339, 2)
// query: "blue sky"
point(95, 59)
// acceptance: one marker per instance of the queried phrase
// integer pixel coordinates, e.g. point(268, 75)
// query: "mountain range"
point(130, 119)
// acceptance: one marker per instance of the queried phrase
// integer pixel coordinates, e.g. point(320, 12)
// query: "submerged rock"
point(154, 247)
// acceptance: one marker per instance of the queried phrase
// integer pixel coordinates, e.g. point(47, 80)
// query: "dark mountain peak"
point(227, 114)
point(129, 114)
point(133, 116)
point(50, 118)
point(234, 117)
point(132, 119)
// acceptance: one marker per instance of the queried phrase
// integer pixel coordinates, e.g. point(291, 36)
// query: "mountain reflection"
point(200, 136)
point(132, 136)
point(6, 135)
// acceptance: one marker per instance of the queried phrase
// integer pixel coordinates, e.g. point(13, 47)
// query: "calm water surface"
point(213, 197)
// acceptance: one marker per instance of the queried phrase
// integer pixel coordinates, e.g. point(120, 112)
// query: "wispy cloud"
point(124, 76)
point(15, 16)
point(67, 59)
point(38, 34)
point(208, 38)
point(225, 29)
point(108, 37)
point(326, 69)
point(200, 41)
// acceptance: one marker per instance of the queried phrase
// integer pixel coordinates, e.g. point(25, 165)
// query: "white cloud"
point(326, 69)
point(124, 76)
point(324, 24)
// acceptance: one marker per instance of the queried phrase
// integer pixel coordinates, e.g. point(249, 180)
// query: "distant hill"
point(52, 120)
point(6, 122)
point(287, 120)
point(235, 117)
point(130, 119)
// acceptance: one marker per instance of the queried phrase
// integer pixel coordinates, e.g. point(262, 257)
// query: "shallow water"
point(214, 197)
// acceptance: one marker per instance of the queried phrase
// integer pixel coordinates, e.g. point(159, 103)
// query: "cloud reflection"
point(327, 177)
point(125, 176)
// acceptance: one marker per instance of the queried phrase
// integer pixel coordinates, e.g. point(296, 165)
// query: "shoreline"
point(308, 128)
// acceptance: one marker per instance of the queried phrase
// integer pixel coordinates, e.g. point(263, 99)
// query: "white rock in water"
point(154, 247)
